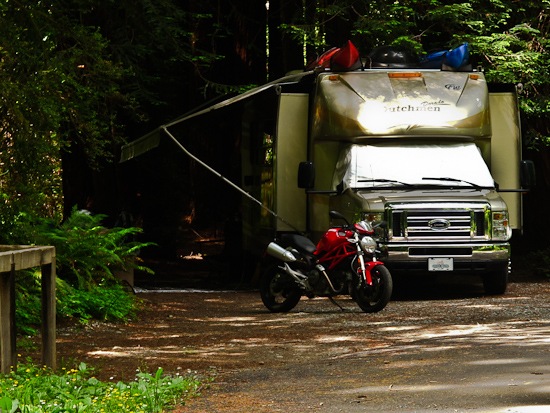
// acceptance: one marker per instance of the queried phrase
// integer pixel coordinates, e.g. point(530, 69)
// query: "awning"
point(152, 139)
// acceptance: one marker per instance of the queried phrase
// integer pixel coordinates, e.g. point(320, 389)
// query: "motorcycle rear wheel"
point(278, 290)
point(375, 297)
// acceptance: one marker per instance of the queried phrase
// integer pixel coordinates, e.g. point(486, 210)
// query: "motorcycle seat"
point(301, 243)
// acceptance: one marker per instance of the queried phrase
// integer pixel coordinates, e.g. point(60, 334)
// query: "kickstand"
point(336, 304)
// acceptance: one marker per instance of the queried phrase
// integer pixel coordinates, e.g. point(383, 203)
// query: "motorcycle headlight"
point(368, 244)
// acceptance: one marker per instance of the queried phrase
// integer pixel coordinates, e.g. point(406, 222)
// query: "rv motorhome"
point(431, 149)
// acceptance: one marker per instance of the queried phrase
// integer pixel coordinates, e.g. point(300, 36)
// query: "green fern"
point(88, 253)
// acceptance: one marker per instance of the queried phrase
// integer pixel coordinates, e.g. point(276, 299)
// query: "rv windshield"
point(400, 165)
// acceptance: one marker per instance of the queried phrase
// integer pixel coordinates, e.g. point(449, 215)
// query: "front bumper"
point(467, 258)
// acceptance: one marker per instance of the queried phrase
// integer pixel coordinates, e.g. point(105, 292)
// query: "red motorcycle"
point(343, 262)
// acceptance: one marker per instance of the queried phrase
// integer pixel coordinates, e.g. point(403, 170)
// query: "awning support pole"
point(227, 181)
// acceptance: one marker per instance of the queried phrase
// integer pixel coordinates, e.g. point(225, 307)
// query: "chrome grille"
point(438, 224)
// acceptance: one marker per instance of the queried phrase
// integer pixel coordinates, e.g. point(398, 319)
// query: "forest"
point(79, 78)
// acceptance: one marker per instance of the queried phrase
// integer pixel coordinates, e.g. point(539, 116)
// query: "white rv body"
point(427, 151)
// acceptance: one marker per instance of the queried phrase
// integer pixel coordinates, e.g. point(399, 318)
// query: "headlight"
point(368, 245)
point(501, 226)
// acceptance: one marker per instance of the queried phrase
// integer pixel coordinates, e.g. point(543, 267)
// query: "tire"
point(372, 299)
point(278, 290)
point(496, 282)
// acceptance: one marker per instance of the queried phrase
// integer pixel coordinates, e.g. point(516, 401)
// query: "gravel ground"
point(446, 348)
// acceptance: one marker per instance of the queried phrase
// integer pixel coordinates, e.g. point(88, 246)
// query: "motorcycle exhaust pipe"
point(280, 253)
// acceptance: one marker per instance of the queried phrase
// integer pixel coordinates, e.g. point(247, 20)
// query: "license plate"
point(440, 264)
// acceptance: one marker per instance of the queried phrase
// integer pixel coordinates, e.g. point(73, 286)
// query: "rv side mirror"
point(306, 175)
point(527, 174)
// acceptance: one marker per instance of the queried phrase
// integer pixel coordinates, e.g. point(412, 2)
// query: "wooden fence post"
point(48, 314)
point(8, 356)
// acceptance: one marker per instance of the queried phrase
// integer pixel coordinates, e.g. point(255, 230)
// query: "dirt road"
point(449, 349)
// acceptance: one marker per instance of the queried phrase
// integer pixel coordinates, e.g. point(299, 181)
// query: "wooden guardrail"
point(12, 259)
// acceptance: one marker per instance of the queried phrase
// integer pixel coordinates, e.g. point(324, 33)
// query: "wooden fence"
point(12, 259)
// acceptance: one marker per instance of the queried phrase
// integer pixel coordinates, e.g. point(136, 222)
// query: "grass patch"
point(31, 389)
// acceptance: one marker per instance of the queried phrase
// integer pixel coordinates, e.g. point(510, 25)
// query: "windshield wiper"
point(476, 186)
point(393, 181)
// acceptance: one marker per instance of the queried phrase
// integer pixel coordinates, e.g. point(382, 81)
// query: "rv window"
point(384, 165)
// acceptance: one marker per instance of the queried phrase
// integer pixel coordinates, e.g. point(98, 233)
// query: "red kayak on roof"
point(347, 58)
point(322, 61)
point(343, 58)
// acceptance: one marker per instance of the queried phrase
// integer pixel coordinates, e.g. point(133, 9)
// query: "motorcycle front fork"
point(365, 277)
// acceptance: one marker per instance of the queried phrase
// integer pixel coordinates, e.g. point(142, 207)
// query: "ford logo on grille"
point(439, 224)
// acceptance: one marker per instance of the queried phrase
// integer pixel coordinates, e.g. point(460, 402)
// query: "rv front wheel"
point(496, 282)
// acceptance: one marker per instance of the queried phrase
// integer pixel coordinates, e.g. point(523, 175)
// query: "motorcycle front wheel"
point(373, 298)
point(278, 290)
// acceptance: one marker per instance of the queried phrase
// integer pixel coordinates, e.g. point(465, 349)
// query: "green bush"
point(28, 302)
point(37, 390)
point(87, 256)
point(107, 301)
point(104, 302)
